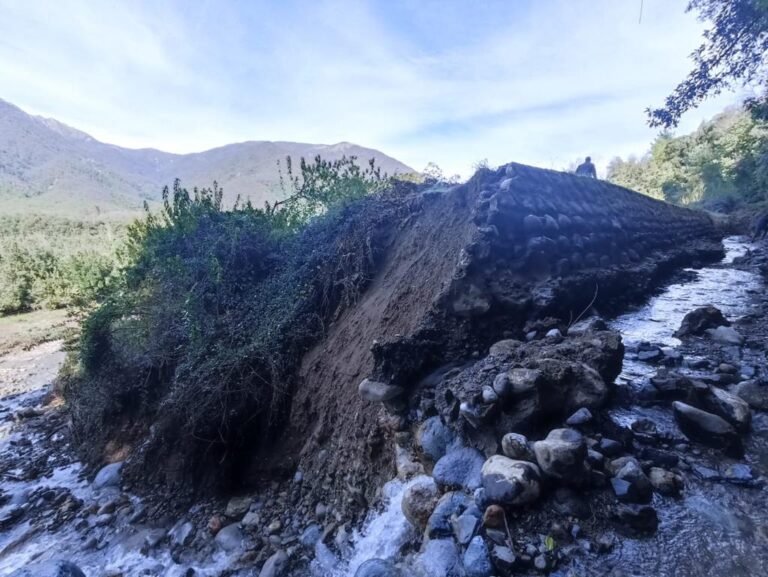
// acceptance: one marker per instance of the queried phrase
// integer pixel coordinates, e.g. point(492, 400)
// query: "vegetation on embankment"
point(53, 263)
point(203, 328)
point(721, 165)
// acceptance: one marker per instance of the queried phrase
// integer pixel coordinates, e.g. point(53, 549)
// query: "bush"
point(214, 309)
point(50, 263)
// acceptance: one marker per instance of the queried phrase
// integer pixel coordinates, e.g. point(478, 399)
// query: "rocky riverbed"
point(611, 447)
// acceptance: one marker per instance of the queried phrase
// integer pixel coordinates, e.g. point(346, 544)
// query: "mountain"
point(49, 167)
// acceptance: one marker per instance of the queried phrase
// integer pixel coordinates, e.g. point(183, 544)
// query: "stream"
point(714, 528)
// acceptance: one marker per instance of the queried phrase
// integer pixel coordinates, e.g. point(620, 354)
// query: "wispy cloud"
point(542, 81)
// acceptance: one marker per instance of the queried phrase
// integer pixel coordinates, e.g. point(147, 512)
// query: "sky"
point(544, 82)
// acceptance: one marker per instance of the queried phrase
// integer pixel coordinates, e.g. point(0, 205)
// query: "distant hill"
point(49, 167)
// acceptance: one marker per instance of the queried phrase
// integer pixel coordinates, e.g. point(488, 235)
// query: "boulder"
point(477, 559)
point(505, 560)
point(108, 476)
point(671, 384)
point(707, 428)
point(464, 527)
point(516, 446)
point(581, 417)
point(440, 558)
point(450, 505)
point(181, 534)
point(696, 322)
point(510, 482)
point(230, 538)
point(459, 468)
point(725, 336)
point(665, 482)
point(378, 392)
point(631, 485)
point(238, 506)
point(726, 405)
point(561, 455)
point(434, 438)
point(419, 501)
point(275, 566)
point(754, 393)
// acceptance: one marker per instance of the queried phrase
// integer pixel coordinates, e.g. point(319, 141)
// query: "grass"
point(27, 330)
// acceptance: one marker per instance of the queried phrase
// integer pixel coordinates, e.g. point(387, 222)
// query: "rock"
point(706, 473)
point(740, 474)
point(440, 558)
point(215, 524)
point(567, 502)
point(464, 527)
point(672, 385)
point(754, 393)
point(274, 527)
point(579, 418)
point(251, 519)
point(707, 428)
point(50, 569)
point(504, 559)
point(489, 396)
point(665, 482)
point(406, 465)
point(650, 355)
point(451, 504)
point(614, 466)
point(554, 333)
point(561, 455)
point(609, 447)
point(631, 485)
point(510, 482)
point(108, 476)
point(696, 322)
point(181, 534)
point(638, 518)
point(477, 559)
point(475, 415)
point(378, 392)
point(237, 507)
point(523, 381)
point(230, 538)
point(516, 446)
point(588, 325)
point(275, 566)
point(494, 517)
point(434, 438)
point(725, 336)
point(378, 568)
point(419, 501)
point(310, 536)
point(595, 459)
point(659, 457)
point(726, 405)
point(459, 468)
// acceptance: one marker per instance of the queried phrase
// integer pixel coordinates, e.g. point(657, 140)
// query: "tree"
point(733, 53)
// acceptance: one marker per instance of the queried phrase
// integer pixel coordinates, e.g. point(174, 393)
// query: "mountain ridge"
point(47, 166)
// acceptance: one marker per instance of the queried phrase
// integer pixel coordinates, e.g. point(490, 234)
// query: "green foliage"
point(726, 158)
point(214, 308)
point(733, 53)
point(49, 263)
point(320, 185)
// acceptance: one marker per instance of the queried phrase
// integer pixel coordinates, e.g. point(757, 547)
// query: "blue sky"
point(453, 82)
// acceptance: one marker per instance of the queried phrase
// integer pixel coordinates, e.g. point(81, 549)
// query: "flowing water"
point(713, 529)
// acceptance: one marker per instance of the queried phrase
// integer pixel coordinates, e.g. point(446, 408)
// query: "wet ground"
point(50, 510)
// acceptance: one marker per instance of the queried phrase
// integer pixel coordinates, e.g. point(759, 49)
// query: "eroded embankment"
point(511, 252)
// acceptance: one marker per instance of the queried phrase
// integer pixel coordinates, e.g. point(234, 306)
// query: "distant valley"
point(47, 167)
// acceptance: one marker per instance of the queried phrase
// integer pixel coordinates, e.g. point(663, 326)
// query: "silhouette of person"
point(586, 168)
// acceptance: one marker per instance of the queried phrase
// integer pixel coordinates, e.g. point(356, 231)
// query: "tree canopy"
point(733, 53)
point(726, 158)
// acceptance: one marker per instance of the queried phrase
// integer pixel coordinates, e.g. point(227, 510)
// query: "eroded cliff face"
point(511, 254)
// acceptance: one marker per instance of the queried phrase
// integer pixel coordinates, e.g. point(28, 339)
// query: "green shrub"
point(214, 309)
